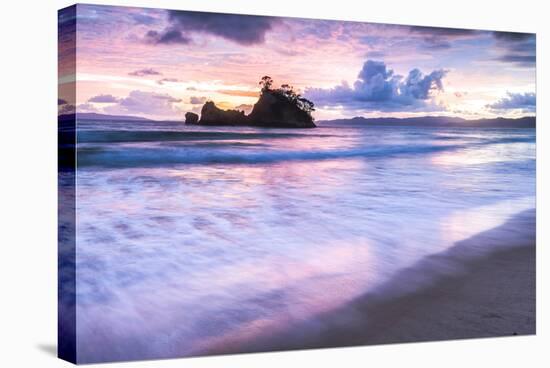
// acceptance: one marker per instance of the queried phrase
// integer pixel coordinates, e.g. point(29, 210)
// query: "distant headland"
point(437, 122)
point(276, 108)
point(420, 121)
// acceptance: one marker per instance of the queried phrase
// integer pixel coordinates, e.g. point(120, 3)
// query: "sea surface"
point(192, 237)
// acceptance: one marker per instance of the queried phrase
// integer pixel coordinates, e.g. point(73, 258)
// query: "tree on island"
point(266, 82)
point(288, 92)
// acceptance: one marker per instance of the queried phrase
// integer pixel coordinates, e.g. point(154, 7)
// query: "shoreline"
point(483, 286)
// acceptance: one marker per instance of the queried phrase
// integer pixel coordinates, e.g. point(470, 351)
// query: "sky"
point(160, 64)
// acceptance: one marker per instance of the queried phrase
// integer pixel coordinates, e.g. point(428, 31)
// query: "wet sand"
point(481, 287)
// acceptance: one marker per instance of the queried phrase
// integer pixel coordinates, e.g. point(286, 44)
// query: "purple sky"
point(161, 64)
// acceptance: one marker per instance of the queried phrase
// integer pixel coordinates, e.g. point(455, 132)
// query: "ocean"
point(190, 237)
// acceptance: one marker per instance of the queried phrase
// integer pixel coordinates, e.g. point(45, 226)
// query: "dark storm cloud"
point(437, 38)
point(143, 19)
point(513, 101)
point(167, 80)
point(522, 60)
point(519, 49)
point(104, 99)
point(377, 87)
point(512, 36)
point(168, 36)
point(441, 32)
point(144, 72)
point(242, 29)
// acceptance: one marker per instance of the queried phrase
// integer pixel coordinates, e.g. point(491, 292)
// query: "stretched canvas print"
point(241, 183)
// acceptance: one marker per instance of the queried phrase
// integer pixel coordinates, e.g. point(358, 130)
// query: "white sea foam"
point(266, 230)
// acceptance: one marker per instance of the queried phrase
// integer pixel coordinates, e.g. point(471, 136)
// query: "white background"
point(28, 193)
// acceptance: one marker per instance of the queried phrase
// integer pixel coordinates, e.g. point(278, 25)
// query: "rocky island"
point(276, 108)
